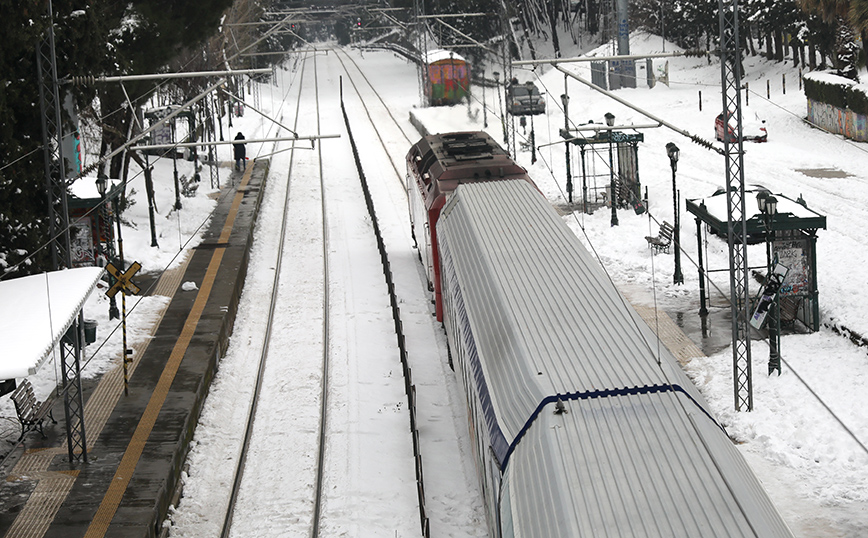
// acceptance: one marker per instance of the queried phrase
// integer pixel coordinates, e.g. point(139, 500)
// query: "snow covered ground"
point(814, 469)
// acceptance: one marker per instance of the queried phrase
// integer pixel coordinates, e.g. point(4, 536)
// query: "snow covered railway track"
point(331, 416)
point(289, 381)
point(393, 137)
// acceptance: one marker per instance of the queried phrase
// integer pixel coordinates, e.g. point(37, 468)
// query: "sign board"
point(768, 294)
point(124, 281)
point(795, 254)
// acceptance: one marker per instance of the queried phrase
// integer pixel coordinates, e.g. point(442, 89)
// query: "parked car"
point(524, 99)
point(752, 128)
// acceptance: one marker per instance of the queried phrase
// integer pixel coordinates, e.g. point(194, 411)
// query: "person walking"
point(240, 153)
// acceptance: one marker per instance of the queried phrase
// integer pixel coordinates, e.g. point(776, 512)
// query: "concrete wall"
point(839, 121)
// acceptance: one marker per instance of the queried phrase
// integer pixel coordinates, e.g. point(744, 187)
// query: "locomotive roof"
point(453, 158)
point(634, 451)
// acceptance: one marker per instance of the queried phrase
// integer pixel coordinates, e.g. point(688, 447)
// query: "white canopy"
point(35, 312)
point(435, 55)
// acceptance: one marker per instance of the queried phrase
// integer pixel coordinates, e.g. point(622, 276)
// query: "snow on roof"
point(84, 188)
point(716, 206)
point(35, 312)
point(435, 55)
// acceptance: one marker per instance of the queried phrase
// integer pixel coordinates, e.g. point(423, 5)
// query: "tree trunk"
point(769, 54)
point(553, 19)
point(796, 45)
point(812, 56)
point(779, 45)
point(593, 16)
point(750, 40)
point(864, 35)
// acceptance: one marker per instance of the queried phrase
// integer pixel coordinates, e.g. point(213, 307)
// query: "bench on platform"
point(661, 242)
point(31, 413)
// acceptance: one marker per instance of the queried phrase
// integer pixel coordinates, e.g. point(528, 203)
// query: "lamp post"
point(106, 227)
point(673, 152)
point(500, 105)
point(768, 206)
point(484, 106)
point(565, 99)
point(610, 121)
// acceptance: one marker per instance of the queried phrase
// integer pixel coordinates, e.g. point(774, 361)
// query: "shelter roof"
point(35, 312)
point(791, 214)
point(84, 188)
point(436, 55)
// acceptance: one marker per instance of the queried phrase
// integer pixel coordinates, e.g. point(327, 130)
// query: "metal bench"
point(661, 242)
point(31, 413)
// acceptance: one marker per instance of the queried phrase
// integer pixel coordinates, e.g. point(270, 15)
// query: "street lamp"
point(673, 152)
point(106, 227)
point(768, 206)
point(610, 121)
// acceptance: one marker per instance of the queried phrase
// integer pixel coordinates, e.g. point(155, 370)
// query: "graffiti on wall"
point(794, 253)
point(839, 121)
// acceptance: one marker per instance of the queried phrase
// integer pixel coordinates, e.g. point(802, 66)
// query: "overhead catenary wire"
point(710, 281)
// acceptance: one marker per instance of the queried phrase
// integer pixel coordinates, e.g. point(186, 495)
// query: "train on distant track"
point(447, 77)
point(583, 426)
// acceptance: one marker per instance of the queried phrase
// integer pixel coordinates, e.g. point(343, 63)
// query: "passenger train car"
point(583, 426)
point(448, 77)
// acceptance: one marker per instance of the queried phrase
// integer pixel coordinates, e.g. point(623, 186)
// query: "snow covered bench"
point(661, 242)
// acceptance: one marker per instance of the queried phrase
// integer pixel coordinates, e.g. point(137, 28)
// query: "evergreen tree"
point(837, 12)
point(100, 37)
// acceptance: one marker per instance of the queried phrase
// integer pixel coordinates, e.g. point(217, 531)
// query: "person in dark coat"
point(240, 153)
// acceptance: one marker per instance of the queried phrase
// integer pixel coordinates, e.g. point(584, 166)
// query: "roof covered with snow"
point(790, 215)
point(436, 55)
point(35, 312)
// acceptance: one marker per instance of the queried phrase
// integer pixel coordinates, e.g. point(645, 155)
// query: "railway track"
point(301, 441)
point(392, 136)
point(309, 237)
point(369, 475)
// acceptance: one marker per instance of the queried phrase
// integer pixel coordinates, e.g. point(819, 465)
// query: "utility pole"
point(730, 79)
point(58, 215)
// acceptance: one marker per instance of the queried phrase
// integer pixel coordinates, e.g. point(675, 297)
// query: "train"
point(447, 77)
point(582, 425)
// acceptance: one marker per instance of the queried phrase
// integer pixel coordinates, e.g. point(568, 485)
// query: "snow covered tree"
point(837, 12)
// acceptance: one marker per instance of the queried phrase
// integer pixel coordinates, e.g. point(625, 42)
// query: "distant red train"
point(448, 77)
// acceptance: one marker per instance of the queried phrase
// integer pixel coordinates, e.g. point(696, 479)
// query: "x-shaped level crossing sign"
point(124, 281)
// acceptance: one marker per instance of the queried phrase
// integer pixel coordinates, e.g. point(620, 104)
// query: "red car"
point(753, 129)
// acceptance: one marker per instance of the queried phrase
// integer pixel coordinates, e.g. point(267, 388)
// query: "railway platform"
point(137, 443)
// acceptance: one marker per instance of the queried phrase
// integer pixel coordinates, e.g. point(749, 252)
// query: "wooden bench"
point(189, 186)
point(661, 242)
point(31, 413)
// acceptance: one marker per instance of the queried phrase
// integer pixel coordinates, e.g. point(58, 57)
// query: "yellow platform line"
point(49, 494)
point(112, 499)
point(678, 343)
point(37, 515)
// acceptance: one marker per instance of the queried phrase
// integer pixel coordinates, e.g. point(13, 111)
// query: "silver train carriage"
point(583, 425)
point(436, 165)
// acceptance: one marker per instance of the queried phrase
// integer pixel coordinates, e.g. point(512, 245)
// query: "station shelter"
point(792, 236)
point(625, 154)
point(91, 238)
